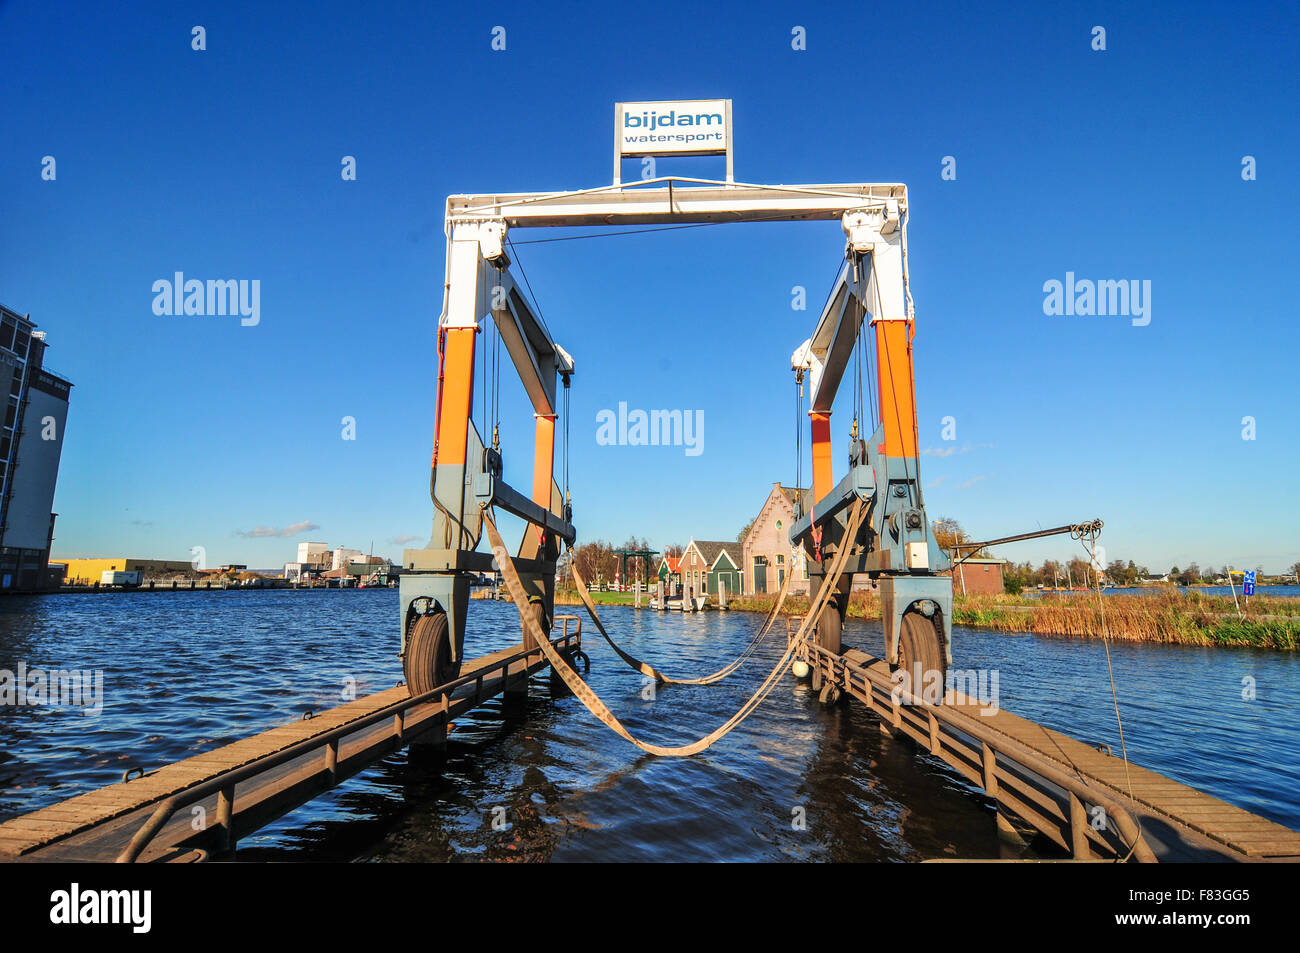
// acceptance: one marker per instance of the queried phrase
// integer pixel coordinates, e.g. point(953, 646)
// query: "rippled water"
point(186, 672)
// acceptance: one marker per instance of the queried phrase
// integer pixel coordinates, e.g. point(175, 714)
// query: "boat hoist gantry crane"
point(894, 543)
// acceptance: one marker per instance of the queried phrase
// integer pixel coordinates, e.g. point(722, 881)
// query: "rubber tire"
point(919, 641)
point(427, 663)
point(830, 628)
point(538, 610)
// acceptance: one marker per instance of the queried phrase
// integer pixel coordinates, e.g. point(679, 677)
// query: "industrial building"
point(318, 560)
point(31, 443)
point(85, 572)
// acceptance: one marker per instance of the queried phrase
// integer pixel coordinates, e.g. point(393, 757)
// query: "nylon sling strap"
point(645, 668)
point(588, 697)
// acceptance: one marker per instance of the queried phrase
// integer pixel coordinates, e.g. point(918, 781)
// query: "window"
point(780, 559)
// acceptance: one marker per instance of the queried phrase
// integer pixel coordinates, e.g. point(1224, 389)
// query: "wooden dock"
point(1074, 794)
point(201, 806)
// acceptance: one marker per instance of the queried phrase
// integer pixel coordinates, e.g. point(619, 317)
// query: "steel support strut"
point(896, 546)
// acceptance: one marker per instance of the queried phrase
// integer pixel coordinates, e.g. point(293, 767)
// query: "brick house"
point(978, 576)
point(766, 554)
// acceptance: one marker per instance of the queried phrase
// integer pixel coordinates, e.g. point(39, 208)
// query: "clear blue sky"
point(1126, 163)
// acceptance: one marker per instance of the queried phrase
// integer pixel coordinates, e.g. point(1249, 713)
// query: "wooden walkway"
point(260, 778)
point(1071, 792)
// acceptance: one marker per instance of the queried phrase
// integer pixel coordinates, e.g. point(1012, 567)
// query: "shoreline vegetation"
point(1168, 618)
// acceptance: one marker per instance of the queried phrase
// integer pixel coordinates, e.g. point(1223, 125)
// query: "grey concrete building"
point(31, 443)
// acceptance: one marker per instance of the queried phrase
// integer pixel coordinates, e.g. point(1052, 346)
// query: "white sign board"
point(692, 127)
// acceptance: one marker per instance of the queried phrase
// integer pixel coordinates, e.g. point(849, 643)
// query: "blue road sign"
point(1248, 587)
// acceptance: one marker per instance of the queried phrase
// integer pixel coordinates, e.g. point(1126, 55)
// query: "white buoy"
point(800, 669)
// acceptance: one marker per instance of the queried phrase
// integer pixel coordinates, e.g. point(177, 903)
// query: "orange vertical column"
point(897, 396)
point(821, 454)
point(543, 460)
point(456, 393)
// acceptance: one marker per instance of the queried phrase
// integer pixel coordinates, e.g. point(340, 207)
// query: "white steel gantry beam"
point(673, 200)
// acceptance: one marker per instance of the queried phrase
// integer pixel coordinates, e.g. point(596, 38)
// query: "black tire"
point(919, 642)
point(538, 611)
point(427, 663)
point(830, 627)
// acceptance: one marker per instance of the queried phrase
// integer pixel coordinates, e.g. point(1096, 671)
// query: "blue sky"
point(1125, 163)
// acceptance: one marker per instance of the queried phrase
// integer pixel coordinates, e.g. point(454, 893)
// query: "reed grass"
point(1169, 617)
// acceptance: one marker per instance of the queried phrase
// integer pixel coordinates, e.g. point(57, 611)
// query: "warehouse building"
point(86, 572)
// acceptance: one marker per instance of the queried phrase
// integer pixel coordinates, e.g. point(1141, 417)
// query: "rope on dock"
point(645, 668)
point(598, 708)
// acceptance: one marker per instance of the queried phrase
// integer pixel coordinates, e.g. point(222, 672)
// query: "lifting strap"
point(598, 708)
point(650, 671)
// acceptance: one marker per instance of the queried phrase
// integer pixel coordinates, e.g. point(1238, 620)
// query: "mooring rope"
point(588, 697)
point(645, 668)
point(1087, 535)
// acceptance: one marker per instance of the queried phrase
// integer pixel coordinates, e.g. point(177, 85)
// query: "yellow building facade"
point(88, 571)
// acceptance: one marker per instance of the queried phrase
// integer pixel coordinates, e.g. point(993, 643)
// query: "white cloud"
point(264, 532)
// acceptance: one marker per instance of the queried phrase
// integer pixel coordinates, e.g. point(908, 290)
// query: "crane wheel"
point(920, 649)
point(427, 663)
point(538, 612)
point(830, 627)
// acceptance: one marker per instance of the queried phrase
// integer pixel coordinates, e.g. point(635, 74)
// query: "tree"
point(1052, 573)
point(1295, 570)
point(1191, 575)
point(1117, 573)
point(674, 550)
point(595, 561)
point(948, 534)
point(1079, 572)
point(744, 531)
point(1016, 577)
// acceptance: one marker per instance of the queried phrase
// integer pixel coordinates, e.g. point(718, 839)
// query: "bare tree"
point(948, 534)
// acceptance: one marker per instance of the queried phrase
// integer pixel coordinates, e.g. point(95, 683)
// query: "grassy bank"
point(1170, 618)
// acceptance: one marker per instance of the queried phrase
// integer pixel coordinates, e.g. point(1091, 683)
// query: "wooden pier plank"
point(1151, 795)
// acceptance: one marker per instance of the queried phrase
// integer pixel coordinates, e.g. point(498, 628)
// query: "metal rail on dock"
point(1070, 792)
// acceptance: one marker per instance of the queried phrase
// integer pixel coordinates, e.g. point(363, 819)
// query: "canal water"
point(186, 672)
